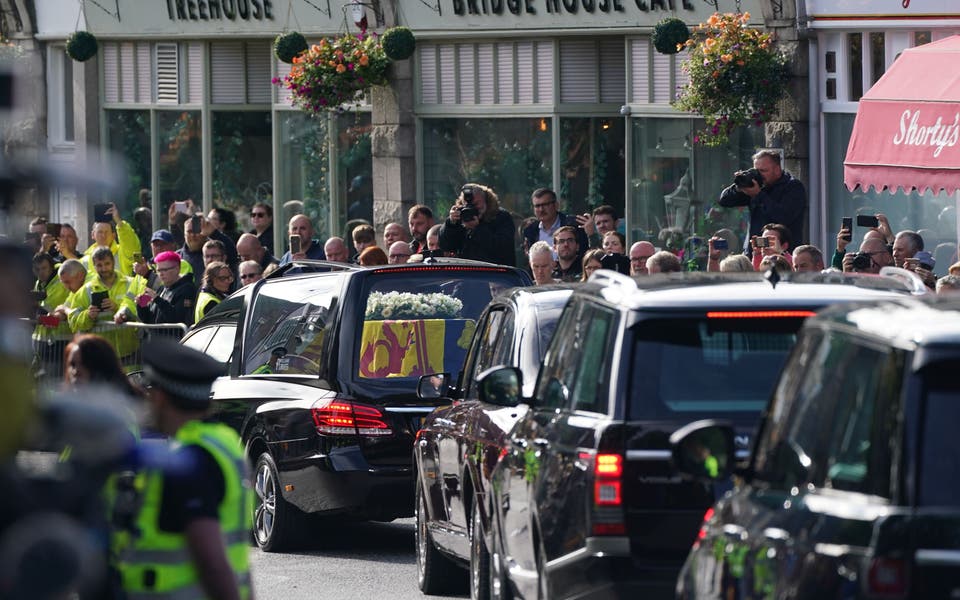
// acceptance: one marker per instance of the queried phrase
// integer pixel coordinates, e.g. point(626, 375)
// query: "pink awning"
point(907, 131)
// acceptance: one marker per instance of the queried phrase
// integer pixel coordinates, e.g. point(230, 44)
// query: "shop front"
point(856, 43)
point(573, 96)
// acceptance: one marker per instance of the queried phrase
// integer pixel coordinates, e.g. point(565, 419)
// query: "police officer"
point(191, 536)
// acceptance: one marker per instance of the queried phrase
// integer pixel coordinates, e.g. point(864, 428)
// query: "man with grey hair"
point(336, 250)
point(906, 245)
point(541, 263)
point(250, 272)
point(663, 262)
point(807, 258)
point(948, 285)
point(773, 196)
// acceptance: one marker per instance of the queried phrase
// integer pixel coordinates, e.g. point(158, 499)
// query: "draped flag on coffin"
point(410, 348)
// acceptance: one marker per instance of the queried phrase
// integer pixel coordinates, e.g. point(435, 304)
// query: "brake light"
point(887, 578)
point(349, 418)
point(760, 314)
point(608, 495)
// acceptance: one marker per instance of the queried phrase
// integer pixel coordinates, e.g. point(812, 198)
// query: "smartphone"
point(848, 225)
point(616, 262)
point(760, 242)
point(867, 221)
point(721, 244)
point(295, 244)
point(97, 298)
point(180, 207)
point(53, 229)
point(195, 224)
point(100, 213)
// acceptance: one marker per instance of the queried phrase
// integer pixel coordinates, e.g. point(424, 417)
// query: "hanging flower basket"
point(736, 77)
point(82, 46)
point(288, 46)
point(398, 43)
point(336, 72)
point(670, 35)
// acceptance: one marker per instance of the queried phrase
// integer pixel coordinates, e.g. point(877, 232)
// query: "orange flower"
point(341, 68)
point(709, 43)
point(725, 58)
point(364, 60)
point(741, 62)
point(316, 48)
point(716, 74)
point(713, 20)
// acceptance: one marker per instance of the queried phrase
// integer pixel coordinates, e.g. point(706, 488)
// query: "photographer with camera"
point(477, 228)
point(874, 254)
point(773, 195)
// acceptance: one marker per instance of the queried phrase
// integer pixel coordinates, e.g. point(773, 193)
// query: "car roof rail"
point(908, 278)
point(311, 266)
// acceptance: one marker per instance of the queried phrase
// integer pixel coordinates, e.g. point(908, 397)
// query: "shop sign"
point(453, 15)
point(852, 9)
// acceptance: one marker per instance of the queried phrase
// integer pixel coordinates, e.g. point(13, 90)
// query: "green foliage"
point(736, 77)
point(398, 43)
point(336, 72)
point(670, 35)
point(289, 45)
point(82, 46)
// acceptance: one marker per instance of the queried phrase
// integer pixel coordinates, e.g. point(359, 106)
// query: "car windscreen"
point(699, 367)
point(420, 322)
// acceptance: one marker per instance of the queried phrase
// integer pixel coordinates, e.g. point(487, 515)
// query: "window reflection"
point(181, 163)
point(243, 171)
point(128, 136)
point(591, 155)
point(303, 169)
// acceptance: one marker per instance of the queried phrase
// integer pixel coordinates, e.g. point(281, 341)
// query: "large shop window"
point(933, 216)
point(181, 165)
point(242, 154)
point(513, 156)
point(592, 166)
point(128, 137)
point(675, 185)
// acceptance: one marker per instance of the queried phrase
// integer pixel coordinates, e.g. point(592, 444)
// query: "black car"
point(585, 501)
point(458, 445)
point(852, 487)
point(323, 372)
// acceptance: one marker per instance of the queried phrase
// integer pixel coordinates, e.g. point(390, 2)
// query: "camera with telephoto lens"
point(746, 178)
point(862, 261)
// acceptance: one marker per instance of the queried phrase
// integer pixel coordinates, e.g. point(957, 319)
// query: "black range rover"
point(323, 371)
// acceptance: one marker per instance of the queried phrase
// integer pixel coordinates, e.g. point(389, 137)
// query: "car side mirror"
point(500, 386)
point(704, 450)
point(433, 386)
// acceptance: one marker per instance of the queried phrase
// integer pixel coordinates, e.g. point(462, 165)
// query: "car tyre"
point(274, 519)
point(479, 558)
point(498, 585)
point(436, 574)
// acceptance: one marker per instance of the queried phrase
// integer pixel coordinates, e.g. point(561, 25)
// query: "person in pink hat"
point(174, 301)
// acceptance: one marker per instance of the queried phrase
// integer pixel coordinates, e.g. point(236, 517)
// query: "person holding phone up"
point(878, 227)
point(105, 300)
point(302, 244)
point(198, 231)
point(122, 243)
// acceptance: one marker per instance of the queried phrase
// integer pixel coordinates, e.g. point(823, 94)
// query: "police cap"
point(184, 373)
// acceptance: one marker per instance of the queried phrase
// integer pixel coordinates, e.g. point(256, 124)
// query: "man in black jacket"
point(477, 228)
point(781, 199)
point(173, 303)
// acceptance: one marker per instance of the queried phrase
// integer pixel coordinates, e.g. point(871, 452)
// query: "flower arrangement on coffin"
point(407, 305)
point(736, 76)
point(338, 70)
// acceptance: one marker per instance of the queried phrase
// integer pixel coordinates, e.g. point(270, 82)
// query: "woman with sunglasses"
point(217, 279)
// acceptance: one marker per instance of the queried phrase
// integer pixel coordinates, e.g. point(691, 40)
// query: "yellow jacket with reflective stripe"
point(124, 339)
point(205, 301)
point(157, 564)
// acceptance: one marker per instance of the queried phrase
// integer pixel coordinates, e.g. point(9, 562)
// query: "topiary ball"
point(668, 33)
point(288, 46)
point(398, 43)
point(82, 46)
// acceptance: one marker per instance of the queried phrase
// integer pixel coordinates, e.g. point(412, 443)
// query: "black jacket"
point(493, 241)
point(531, 234)
point(784, 202)
point(173, 305)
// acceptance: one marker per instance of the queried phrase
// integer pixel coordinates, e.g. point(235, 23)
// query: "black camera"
point(862, 261)
point(467, 192)
point(616, 262)
point(746, 178)
point(468, 213)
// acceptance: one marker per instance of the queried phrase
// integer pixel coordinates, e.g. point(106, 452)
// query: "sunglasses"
point(258, 215)
point(248, 275)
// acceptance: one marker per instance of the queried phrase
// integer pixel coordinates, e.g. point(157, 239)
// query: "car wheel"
point(498, 585)
point(273, 518)
point(436, 574)
point(479, 558)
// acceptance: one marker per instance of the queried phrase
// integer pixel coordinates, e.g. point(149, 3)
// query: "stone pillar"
point(86, 103)
point(394, 144)
point(789, 127)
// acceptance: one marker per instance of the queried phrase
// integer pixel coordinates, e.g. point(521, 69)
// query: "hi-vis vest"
point(205, 301)
point(157, 564)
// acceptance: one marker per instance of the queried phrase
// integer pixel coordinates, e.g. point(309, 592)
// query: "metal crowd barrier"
point(126, 338)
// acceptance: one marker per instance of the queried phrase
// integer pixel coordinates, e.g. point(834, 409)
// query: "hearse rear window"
point(418, 323)
point(701, 367)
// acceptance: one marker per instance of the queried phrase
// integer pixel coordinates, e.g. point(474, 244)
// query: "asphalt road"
point(343, 561)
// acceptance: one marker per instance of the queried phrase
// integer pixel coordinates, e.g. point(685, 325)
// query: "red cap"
point(167, 256)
